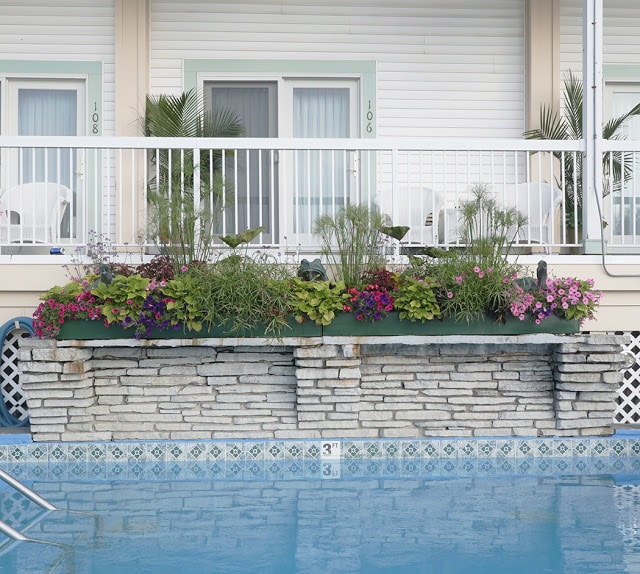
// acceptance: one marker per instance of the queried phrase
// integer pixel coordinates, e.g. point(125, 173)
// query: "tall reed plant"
point(352, 241)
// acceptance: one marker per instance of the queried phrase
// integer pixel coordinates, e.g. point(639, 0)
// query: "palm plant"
point(554, 126)
point(183, 218)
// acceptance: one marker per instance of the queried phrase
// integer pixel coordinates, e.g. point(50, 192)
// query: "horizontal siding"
point(443, 68)
point(80, 30)
point(621, 30)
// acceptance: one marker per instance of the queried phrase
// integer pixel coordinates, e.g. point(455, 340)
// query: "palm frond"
point(573, 98)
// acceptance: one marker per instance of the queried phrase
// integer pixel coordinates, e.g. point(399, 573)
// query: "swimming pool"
point(451, 506)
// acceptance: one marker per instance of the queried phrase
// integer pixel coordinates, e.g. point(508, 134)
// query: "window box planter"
point(346, 324)
point(86, 330)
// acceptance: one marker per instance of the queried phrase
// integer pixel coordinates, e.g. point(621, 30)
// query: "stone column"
point(58, 384)
point(329, 391)
point(587, 376)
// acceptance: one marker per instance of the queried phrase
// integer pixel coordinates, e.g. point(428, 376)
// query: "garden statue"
point(541, 274)
point(105, 275)
point(313, 271)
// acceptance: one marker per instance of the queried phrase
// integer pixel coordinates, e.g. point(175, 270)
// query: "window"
point(625, 199)
point(285, 191)
point(45, 107)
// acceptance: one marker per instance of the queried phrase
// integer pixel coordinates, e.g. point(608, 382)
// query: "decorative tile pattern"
point(260, 458)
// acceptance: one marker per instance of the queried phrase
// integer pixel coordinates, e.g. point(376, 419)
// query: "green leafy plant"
point(183, 295)
point(186, 196)
point(351, 241)
point(416, 300)
point(122, 298)
point(488, 230)
point(474, 281)
point(568, 126)
point(320, 301)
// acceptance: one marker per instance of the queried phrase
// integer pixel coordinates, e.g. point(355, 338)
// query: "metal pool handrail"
point(26, 491)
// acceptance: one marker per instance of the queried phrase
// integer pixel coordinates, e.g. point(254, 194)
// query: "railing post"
point(196, 198)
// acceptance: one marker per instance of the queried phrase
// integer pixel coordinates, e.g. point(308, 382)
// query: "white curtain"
point(47, 113)
point(321, 176)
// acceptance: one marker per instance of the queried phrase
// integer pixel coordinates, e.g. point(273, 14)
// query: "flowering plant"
point(569, 298)
point(73, 301)
point(371, 303)
point(468, 291)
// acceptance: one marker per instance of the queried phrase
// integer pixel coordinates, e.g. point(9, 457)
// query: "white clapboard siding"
point(621, 37)
point(444, 68)
point(63, 30)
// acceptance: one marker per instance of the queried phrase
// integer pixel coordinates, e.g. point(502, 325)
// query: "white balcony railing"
point(55, 191)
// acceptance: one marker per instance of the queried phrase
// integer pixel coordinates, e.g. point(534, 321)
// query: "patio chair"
point(421, 210)
point(32, 212)
point(540, 203)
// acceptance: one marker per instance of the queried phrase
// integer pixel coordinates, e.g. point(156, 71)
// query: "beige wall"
point(22, 284)
point(132, 65)
point(542, 57)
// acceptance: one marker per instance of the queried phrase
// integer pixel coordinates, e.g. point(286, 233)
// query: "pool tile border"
point(492, 449)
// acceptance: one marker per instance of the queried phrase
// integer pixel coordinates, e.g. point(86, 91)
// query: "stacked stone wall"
point(530, 385)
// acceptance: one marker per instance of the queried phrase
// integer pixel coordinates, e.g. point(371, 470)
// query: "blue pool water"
point(367, 516)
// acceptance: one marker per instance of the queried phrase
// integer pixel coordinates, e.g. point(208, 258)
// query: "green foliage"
point(318, 300)
point(395, 231)
point(245, 237)
point(475, 281)
point(351, 241)
point(186, 196)
point(568, 126)
point(416, 300)
point(243, 292)
point(185, 294)
point(123, 297)
point(488, 230)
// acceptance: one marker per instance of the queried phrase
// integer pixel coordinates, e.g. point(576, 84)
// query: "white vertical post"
point(592, 125)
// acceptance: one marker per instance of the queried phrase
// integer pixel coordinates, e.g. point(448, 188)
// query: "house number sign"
point(95, 119)
point(370, 118)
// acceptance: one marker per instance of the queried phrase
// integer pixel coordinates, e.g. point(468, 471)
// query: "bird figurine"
point(541, 274)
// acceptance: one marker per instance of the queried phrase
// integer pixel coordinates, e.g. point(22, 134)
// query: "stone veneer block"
point(369, 387)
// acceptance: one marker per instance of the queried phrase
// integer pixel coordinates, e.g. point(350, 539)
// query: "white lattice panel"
point(9, 377)
point(628, 408)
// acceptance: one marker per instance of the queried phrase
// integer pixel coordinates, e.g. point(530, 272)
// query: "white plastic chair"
point(420, 209)
point(539, 202)
point(32, 212)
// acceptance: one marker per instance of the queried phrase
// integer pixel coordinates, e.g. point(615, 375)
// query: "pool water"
point(334, 522)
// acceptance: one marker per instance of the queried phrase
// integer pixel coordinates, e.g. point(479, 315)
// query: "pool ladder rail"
point(19, 536)
point(10, 531)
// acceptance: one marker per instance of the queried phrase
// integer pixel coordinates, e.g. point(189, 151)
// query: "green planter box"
point(345, 324)
point(84, 330)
